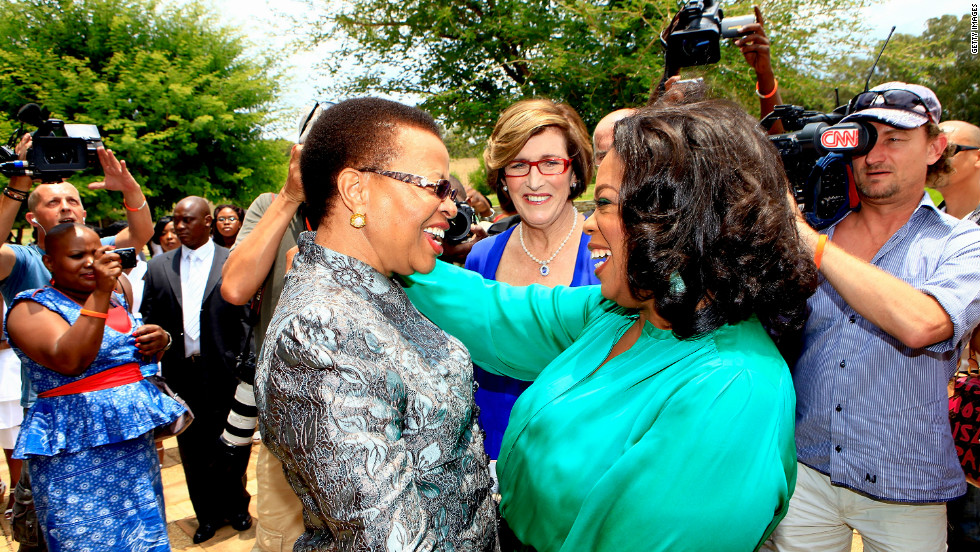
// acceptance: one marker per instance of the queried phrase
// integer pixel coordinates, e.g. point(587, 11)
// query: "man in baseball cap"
point(900, 289)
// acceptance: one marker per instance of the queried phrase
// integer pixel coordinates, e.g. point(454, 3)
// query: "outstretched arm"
point(939, 308)
point(258, 242)
point(119, 179)
point(9, 207)
point(756, 49)
point(512, 330)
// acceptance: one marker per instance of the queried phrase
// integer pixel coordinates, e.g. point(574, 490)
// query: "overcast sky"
point(263, 23)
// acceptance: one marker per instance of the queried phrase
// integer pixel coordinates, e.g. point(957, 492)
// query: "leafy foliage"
point(469, 59)
point(172, 94)
point(940, 58)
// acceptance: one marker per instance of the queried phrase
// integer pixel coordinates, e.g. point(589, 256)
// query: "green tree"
point(939, 58)
point(468, 59)
point(173, 94)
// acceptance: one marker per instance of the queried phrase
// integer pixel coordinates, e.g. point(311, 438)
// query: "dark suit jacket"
point(222, 327)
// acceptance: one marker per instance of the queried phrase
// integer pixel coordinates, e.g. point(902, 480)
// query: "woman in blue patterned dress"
point(89, 436)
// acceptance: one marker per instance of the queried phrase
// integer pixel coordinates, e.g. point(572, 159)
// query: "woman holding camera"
point(661, 413)
point(88, 436)
point(540, 156)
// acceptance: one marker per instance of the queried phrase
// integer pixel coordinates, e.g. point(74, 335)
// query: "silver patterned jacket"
point(369, 406)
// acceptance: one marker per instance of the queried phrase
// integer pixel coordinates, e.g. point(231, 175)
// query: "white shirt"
point(136, 281)
point(195, 266)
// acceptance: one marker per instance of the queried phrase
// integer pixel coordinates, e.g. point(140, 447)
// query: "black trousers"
point(215, 473)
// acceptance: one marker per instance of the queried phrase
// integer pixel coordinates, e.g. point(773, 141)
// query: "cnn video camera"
point(817, 151)
point(58, 150)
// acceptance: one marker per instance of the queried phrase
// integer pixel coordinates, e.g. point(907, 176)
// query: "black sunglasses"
point(896, 99)
point(960, 147)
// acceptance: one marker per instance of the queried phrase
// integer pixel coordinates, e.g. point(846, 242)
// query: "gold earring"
point(358, 220)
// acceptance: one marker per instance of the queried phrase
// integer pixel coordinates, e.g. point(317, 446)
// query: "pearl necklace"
point(544, 264)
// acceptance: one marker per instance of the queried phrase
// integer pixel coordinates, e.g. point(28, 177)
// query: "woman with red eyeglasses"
point(539, 157)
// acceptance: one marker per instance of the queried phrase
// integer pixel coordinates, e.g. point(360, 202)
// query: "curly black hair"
point(711, 236)
point(356, 133)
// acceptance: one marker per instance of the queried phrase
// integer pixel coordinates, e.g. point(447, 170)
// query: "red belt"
point(113, 377)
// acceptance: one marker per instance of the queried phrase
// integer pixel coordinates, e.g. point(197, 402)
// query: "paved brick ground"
point(180, 514)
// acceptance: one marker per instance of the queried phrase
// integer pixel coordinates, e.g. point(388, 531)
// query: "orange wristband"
point(775, 87)
point(93, 314)
point(128, 208)
point(818, 254)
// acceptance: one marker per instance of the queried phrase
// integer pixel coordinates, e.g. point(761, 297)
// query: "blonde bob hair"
point(526, 118)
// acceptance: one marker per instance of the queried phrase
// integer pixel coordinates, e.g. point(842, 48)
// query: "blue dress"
point(93, 463)
point(496, 394)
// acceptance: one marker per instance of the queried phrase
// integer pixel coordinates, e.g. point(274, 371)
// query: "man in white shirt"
point(183, 295)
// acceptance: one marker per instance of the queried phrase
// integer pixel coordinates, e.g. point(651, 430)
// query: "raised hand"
point(294, 182)
point(21, 148)
point(107, 268)
point(755, 45)
point(117, 176)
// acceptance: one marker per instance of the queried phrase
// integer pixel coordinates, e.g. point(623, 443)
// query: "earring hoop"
point(358, 220)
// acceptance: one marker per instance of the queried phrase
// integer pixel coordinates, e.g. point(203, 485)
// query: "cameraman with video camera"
point(899, 290)
point(50, 204)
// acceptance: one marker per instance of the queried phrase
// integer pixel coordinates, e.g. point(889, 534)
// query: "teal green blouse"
point(672, 445)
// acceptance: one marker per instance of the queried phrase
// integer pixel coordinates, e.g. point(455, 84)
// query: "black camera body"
point(817, 150)
point(127, 257)
point(58, 150)
point(459, 226)
point(700, 26)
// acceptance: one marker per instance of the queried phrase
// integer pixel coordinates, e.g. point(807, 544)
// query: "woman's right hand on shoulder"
point(107, 267)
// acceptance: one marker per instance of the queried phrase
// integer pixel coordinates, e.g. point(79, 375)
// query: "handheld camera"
point(127, 257)
point(694, 35)
point(459, 226)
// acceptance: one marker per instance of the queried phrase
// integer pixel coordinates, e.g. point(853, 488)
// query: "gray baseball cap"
point(897, 104)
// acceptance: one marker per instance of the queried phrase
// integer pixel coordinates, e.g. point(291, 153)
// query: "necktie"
point(193, 295)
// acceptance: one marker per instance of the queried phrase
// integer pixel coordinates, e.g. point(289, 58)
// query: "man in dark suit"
point(183, 295)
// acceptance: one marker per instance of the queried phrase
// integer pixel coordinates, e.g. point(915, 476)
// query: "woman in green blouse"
point(661, 413)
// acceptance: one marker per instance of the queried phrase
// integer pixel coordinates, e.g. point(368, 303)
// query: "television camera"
point(58, 150)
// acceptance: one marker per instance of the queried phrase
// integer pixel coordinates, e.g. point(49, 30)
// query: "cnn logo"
point(841, 138)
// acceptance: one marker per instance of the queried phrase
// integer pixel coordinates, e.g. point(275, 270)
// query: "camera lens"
point(459, 226)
